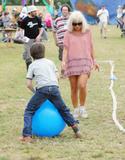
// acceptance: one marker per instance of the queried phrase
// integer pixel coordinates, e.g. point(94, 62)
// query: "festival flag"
point(23, 2)
point(4, 5)
point(49, 6)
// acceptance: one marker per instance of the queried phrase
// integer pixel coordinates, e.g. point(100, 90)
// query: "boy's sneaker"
point(76, 113)
point(83, 113)
point(78, 134)
point(27, 139)
point(76, 131)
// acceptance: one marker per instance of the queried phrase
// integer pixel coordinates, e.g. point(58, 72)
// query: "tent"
point(90, 7)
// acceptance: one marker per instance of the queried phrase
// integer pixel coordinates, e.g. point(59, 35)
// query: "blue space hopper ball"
point(47, 121)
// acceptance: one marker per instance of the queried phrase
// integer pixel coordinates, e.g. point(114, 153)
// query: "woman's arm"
point(93, 55)
point(96, 66)
point(64, 58)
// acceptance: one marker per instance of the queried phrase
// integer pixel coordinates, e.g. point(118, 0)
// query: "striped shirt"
point(60, 27)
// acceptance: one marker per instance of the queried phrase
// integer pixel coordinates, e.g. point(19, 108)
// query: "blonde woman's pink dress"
point(79, 59)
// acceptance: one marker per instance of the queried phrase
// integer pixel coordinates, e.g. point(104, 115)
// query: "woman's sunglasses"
point(77, 24)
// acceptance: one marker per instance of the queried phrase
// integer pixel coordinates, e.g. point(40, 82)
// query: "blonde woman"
point(78, 60)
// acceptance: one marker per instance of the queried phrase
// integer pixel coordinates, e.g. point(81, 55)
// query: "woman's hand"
point(63, 65)
point(96, 66)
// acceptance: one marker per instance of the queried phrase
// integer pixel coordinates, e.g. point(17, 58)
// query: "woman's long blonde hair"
point(76, 17)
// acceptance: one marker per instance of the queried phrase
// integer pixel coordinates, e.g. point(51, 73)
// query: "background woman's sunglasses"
point(75, 24)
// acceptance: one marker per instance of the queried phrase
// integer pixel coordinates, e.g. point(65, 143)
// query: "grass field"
point(102, 140)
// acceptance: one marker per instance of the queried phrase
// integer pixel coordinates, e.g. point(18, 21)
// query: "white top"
point(103, 15)
point(23, 13)
point(119, 12)
point(43, 71)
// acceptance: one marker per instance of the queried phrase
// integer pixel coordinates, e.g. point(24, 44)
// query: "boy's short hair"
point(37, 50)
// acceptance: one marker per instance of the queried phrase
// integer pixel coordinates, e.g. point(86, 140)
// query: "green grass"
point(101, 140)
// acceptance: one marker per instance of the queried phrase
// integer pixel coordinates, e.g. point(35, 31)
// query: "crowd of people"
point(103, 15)
point(73, 37)
point(9, 21)
point(77, 60)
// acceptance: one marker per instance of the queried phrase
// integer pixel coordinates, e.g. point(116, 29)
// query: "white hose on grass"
point(114, 111)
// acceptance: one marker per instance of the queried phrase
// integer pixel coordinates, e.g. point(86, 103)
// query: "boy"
point(44, 72)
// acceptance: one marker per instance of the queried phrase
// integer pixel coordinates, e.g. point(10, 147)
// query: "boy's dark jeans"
point(51, 93)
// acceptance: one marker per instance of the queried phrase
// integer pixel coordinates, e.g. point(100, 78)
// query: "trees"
point(29, 2)
point(19, 2)
point(61, 1)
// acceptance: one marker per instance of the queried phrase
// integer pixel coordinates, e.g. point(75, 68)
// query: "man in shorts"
point(103, 16)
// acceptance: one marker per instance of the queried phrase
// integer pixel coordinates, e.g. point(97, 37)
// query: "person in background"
point(44, 73)
point(31, 25)
point(48, 21)
point(19, 37)
point(119, 12)
point(44, 35)
point(24, 12)
point(123, 9)
point(123, 16)
point(103, 16)
point(60, 27)
point(55, 13)
point(15, 16)
point(1, 22)
point(78, 60)
point(59, 12)
point(6, 19)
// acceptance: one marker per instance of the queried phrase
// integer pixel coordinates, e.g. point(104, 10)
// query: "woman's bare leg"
point(82, 84)
point(74, 90)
